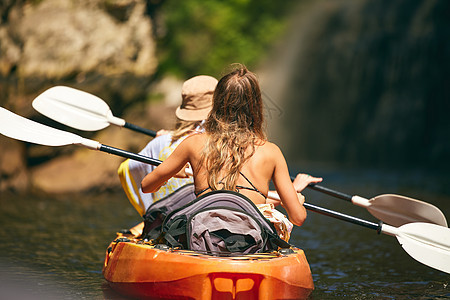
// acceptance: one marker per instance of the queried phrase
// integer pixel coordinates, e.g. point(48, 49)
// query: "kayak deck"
point(138, 269)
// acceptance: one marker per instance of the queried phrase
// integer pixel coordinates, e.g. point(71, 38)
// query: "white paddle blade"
point(20, 128)
point(75, 108)
point(400, 210)
point(427, 243)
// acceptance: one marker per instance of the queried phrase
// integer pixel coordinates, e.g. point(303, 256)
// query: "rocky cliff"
point(102, 47)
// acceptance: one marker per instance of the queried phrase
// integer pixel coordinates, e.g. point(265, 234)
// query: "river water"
point(53, 248)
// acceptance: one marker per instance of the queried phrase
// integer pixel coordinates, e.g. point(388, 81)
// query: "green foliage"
point(204, 37)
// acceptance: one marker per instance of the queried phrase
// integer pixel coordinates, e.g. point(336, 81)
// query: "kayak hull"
point(146, 272)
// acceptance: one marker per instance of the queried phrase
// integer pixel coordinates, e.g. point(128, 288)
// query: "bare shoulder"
point(194, 142)
point(270, 149)
point(268, 154)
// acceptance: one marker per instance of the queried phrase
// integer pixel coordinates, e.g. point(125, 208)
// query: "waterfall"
point(364, 83)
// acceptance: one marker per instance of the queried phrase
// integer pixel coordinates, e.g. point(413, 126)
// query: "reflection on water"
point(54, 248)
point(59, 244)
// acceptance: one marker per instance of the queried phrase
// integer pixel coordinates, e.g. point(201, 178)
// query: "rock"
point(82, 172)
point(13, 175)
point(61, 38)
point(84, 44)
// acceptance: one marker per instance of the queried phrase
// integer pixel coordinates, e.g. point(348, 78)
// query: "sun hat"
point(197, 94)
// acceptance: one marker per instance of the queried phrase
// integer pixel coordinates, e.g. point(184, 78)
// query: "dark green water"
point(53, 248)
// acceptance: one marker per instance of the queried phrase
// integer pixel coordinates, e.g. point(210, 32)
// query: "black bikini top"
point(253, 188)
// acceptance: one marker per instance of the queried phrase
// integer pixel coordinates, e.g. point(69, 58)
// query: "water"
point(53, 248)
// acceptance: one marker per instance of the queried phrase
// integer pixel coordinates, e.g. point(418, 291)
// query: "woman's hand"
point(301, 181)
point(182, 173)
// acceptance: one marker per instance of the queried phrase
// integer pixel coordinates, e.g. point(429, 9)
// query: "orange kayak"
point(137, 269)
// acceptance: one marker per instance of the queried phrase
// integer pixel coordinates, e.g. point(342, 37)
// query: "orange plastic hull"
point(142, 271)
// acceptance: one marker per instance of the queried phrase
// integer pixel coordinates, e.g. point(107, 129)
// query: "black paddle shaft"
point(134, 156)
point(140, 129)
point(328, 191)
point(343, 217)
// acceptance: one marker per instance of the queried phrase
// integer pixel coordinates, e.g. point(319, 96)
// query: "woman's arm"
point(292, 202)
point(167, 169)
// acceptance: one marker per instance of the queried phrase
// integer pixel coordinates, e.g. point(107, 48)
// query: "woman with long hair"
point(233, 152)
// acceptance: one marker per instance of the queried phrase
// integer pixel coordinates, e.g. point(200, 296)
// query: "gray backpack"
point(220, 222)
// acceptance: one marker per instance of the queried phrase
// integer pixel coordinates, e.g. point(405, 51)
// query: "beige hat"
point(197, 94)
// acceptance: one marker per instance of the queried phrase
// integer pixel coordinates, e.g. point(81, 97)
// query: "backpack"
point(220, 222)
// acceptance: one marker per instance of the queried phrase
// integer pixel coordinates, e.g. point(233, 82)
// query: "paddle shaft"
point(130, 155)
point(140, 129)
point(391, 209)
point(343, 217)
point(328, 191)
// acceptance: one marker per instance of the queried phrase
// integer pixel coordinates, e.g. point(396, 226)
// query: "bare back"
point(256, 173)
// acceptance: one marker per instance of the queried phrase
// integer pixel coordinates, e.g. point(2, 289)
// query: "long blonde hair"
point(234, 124)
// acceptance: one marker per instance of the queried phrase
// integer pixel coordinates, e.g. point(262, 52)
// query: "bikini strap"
point(247, 188)
point(237, 187)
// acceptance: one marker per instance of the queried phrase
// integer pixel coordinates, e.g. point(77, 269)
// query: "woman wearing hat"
point(196, 94)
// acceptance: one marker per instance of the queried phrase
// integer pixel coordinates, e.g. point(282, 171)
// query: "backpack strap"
point(275, 241)
point(176, 230)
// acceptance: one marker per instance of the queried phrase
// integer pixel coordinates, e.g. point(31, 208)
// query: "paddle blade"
point(427, 243)
point(74, 108)
point(20, 128)
point(400, 210)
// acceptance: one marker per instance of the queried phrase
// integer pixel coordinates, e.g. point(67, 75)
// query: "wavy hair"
point(234, 124)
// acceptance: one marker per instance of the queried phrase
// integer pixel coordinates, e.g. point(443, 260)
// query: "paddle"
point(80, 110)
point(425, 242)
point(393, 209)
point(85, 111)
point(20, 128)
